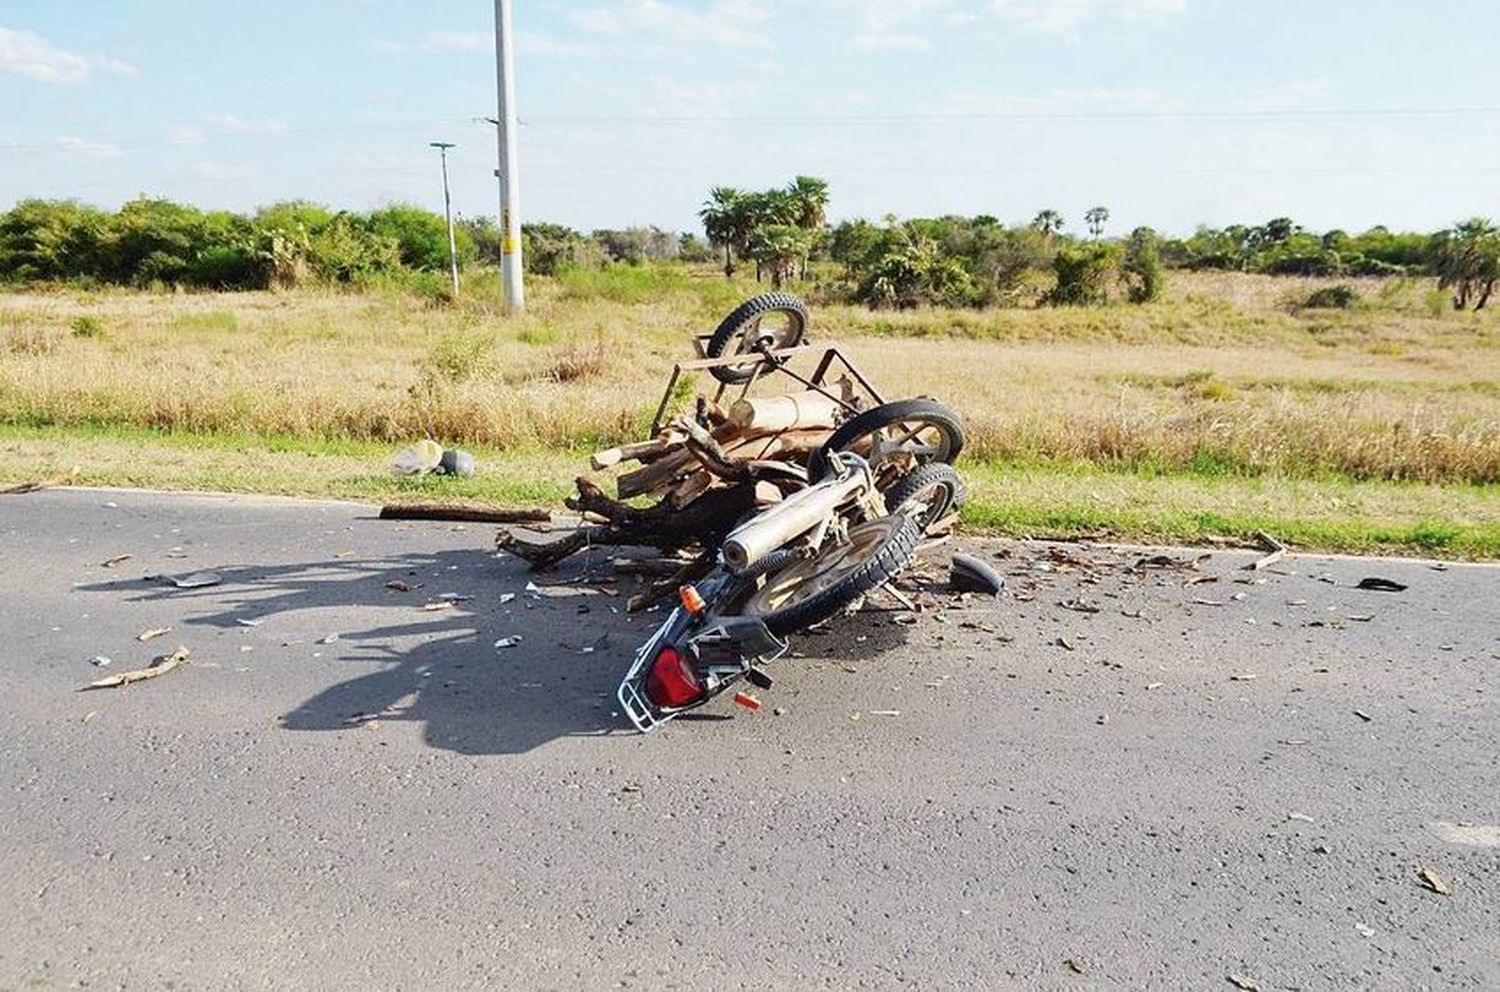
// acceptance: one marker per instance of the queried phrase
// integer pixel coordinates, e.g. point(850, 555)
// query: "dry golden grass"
point(1226, 375)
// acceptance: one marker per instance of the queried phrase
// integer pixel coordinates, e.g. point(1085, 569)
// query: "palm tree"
point(1468, 261)
point(1049, 222)
point(1096, 218)
point(810, 196)
point(723, 217)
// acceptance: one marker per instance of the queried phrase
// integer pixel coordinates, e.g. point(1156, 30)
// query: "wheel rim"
point(774, 329)
point(904, 445)
point(936, 501)
point(802, 580)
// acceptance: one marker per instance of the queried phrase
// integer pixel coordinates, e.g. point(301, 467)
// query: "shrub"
point(1141, 268)
point(420, 235)
point(87, 326)
point(1340, 297)
point(1083, 274)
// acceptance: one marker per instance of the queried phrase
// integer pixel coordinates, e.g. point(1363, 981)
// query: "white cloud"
point(871, 42)
point(724, 22)
point(215, 125)
point(29, 54)
point(1067, 16)
point(1295, 94)
point(1058, 102)
point(82, 146)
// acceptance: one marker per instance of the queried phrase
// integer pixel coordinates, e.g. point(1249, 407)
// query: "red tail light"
point(672, 681)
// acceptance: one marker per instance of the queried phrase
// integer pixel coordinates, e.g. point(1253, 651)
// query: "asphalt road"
point(1229, 778)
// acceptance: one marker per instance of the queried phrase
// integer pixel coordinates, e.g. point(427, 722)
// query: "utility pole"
point(510, 187)
point(442, 147)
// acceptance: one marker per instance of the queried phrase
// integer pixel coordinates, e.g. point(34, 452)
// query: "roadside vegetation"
point(1146, 387)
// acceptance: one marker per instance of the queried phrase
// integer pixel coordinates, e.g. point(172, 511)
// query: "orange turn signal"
point(746, 700)
point(692, 601)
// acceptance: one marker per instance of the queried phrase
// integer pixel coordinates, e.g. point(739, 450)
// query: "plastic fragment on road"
point(506, 597)
point(101, 661)
point(330, 639)
point(1244, 982)
point(508, 642)
point(159, 666)
point(1377, 584)
point(147, 635)
point(112, 562)
point(969, 574)
point(1434, 882)
point(197, 580)
point(396, 585)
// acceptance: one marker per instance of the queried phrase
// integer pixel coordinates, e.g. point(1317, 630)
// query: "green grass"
point(1033, 499)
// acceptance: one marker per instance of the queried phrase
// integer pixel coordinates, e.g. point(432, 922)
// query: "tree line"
point(783, 232)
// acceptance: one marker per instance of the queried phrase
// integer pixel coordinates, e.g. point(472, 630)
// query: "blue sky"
point(1169, 112)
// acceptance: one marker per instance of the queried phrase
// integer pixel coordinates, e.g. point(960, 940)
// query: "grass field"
point(1221, 409)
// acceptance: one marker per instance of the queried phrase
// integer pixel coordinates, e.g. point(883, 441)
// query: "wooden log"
point(689, 489)
point(640, 451)
point(656, 474)
point(785, 445)
point(466, 514)
point(780, 413)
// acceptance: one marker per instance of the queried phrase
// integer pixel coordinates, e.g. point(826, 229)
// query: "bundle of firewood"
point(707, 470)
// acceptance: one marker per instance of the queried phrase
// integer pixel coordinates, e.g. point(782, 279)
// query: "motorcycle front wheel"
point(810, 590)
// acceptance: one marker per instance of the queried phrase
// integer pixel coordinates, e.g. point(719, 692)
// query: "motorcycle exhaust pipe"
point(791, 518)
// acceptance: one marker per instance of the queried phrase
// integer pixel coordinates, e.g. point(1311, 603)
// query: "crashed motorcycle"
point(881, 484)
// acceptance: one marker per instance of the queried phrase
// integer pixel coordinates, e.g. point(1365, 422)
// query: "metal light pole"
point(442, 147)
point(510, 186)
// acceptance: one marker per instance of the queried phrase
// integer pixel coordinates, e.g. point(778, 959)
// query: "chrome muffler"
point(796, 515)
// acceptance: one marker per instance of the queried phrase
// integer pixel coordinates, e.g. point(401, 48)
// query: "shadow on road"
point(438, 668)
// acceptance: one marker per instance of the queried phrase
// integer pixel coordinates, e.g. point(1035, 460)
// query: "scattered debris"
point(969, 574)
point(456, 461)
point(508, 642)
point(243, 622)
point(1079, 606)
point(1154, 685)
point(454, 597)
point(1073, 965)
point(506, 597)
point(885, 712)
point(420, 459)
point(1103, 719)
point(1243, 677)
point(112, 562)
point(464, 514)
point(1430, 879)
point(748, 701)
point(437, 604)
point(1363, 715)
point(1064, 643)
point(197, 580)
point(1376, 584)
point(101, 661)
point(1274, 548)
point(330, 639)
point(1301, 817)
point(147, 635)
point(396, 585)
point(1207, 602)
point(18, 488)
point(1245, 983)
point(159, 666)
